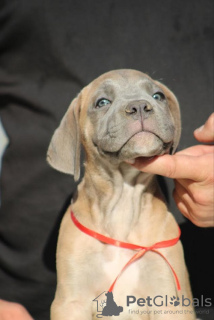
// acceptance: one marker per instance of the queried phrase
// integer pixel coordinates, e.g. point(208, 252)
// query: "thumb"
point(206, 132)
point(178, 166)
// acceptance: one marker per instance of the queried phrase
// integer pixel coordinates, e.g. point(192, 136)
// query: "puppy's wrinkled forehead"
point(120, 82)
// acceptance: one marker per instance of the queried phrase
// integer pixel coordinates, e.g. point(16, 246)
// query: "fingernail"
point(200, 128)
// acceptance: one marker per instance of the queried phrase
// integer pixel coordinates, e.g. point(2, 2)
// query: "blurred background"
point(49, 50)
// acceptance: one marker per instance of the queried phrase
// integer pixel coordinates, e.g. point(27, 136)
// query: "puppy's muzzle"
point(139, 109)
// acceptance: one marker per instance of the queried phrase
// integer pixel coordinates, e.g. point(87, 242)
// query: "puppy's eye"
point(159, 96)
point(102, 103)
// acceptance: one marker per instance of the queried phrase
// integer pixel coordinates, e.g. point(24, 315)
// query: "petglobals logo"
point(160, 301)
point(159, 305)
point(106, 306)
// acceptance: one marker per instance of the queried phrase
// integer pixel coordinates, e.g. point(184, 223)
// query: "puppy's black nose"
point(138, 107)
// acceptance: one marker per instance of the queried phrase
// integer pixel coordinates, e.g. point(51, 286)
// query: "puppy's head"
point(120, 116)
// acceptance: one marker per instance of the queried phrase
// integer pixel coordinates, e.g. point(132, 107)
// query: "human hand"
point(193, 172)
point(12, 310)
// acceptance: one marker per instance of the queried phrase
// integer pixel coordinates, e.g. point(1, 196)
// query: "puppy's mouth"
point(144, 145)
point(141, 135)
point(168, 150)
point(144, 159)
point(141, 159)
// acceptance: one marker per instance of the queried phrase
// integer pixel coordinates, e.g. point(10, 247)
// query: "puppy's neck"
point(117, 198)
point(108, 182)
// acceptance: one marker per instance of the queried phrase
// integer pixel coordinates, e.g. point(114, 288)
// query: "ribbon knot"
point(140, 249)
point(149, 248)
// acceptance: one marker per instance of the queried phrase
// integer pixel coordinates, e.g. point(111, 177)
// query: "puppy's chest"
point(114, 261)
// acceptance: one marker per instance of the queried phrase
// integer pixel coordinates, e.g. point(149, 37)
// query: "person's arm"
point(11, 311)
point(193, 171)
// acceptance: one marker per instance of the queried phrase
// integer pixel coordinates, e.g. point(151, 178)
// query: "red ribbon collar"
point(141, 250)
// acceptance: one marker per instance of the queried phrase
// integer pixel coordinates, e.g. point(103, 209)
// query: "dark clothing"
point(49, 51)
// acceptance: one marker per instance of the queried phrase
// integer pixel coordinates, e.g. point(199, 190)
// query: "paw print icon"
point(174, 301)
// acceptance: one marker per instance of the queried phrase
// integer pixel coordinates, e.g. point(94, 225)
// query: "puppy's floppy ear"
point(64, 149)
point(175, 112)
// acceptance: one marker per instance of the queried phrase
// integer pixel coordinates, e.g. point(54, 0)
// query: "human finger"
point(188, 207)
point(176, 166)
point(206, 132)
point(196, 204)
point(182, 207)
point(11, 310)
point(197, 150)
